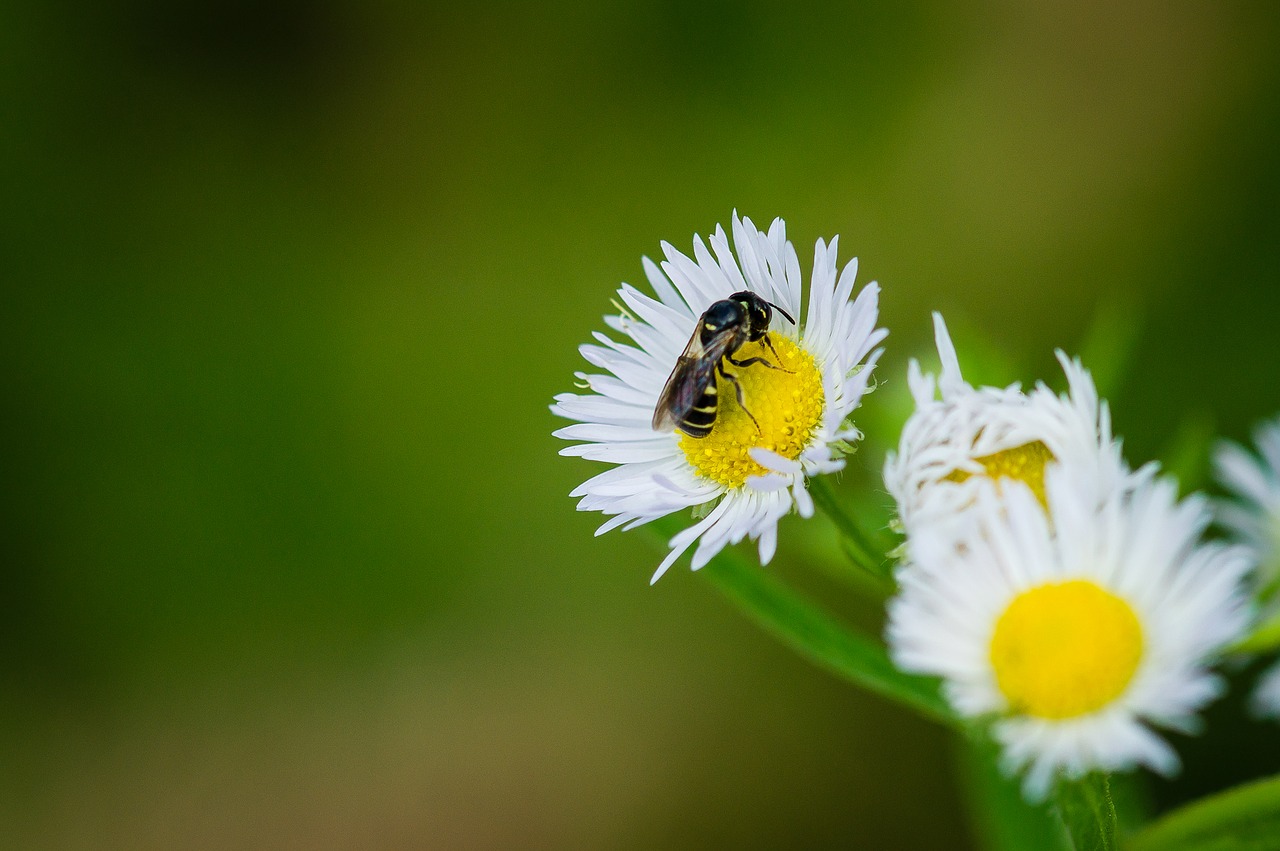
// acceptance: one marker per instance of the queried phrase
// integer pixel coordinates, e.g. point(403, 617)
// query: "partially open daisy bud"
point(960, 436)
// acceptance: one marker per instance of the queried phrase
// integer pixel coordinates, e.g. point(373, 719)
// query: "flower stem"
point(1088, 812)
point(856, 544)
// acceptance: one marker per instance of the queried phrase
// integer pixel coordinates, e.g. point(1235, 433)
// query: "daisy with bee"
point(708, 401)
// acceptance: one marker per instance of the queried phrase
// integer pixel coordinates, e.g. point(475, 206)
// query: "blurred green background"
point(289, 558)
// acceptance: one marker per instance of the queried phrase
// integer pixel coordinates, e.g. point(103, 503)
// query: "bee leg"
point(737, 391)
point(750, 361)
point(769, 342)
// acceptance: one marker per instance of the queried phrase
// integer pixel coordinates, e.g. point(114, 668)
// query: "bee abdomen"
point(702, 416)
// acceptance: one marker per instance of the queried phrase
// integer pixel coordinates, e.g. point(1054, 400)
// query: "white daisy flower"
point(751, 468)
point(1077, 638)
point(1253, 515)
point(960, 435)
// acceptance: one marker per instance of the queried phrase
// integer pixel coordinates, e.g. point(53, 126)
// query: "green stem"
point(1089, 813)
point(860, 550)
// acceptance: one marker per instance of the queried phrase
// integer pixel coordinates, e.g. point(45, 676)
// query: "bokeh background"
point(289, 560)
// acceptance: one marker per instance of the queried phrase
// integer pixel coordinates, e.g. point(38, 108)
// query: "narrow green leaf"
point(1264, 638)
point(1107, 349)
point(1246, 818)
point(822, 639)
point(1002, 819)
point(1186, 456)
point(1088, 812)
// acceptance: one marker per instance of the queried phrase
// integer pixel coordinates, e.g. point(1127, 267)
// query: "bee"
point(688, 400)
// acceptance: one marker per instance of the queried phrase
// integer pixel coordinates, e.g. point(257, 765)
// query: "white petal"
point(771, 460)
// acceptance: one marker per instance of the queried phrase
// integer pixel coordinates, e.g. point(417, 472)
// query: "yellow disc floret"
point(1065, 649)
point(1024, 463)
point(786, 403)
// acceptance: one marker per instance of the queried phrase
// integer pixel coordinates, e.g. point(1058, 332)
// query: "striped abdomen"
point(702, 416)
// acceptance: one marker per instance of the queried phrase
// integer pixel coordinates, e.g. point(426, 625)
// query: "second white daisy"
point(1073, 642)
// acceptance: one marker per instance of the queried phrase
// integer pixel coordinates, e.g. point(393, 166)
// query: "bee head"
point(758, 312)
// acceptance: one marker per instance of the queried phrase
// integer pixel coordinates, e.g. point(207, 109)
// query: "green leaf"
point(1264, 638)
point(1186, 456)
point(1002, 819)
point(1088, 812)
point(1107, 349)
point(822, 639)
point(1246, 818)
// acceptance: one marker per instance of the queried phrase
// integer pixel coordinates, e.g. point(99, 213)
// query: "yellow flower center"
point(1065, 649)
point(1024, 463)
point(786, 403)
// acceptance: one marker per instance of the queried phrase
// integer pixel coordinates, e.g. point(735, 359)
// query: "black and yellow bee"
point(688, 400)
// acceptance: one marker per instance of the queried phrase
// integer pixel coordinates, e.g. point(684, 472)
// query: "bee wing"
point(694, 370)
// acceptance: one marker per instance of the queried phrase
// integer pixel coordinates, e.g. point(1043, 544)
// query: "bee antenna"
point(783, 312)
